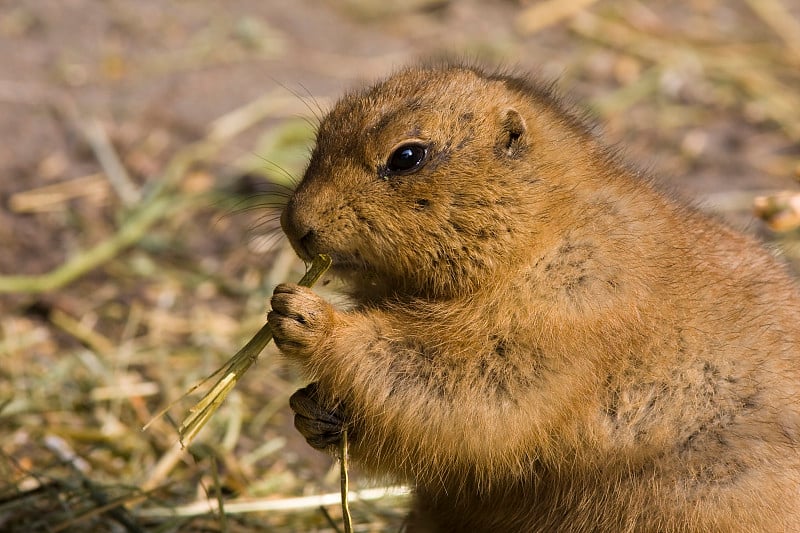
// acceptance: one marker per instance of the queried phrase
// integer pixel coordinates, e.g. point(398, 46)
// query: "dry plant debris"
point(232, 371)
point(780, 211)
point(134, 259)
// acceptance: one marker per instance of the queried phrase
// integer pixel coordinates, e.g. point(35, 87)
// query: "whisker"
point(311, 96)
point(248, 205)
point(316, 111)
point(266, 242)
point(281, 170)
point(271, 223)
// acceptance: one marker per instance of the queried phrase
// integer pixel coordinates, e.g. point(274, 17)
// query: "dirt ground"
point(144, 149)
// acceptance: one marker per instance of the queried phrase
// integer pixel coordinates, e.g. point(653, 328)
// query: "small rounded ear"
point(512, 134)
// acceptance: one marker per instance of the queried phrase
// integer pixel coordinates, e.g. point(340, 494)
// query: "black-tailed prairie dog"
point(540, 339)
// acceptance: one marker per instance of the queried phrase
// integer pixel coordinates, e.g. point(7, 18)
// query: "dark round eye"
point(406, 158)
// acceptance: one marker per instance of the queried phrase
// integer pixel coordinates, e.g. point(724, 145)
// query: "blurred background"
point(145, 149)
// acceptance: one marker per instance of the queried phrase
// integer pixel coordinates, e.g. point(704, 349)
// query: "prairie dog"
point(541, 339)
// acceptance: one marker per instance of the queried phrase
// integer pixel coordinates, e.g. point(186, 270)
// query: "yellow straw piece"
point(234, 369)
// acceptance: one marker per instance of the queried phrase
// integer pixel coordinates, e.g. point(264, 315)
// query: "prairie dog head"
point(420, 184)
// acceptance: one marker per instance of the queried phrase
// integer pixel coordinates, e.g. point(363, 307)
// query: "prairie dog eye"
point(406, 158)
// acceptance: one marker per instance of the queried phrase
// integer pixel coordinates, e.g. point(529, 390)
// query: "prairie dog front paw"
point(300, 320)
point(322, 428)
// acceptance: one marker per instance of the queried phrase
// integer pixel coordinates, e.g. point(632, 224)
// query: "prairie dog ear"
point(511, 141)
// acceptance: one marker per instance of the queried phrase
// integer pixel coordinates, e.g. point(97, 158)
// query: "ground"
point(146, 145)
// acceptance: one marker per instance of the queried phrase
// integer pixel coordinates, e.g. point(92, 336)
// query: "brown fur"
point(542, 341)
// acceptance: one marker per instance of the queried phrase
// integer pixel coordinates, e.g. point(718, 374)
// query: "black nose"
point(307, 242)
point(300, 232)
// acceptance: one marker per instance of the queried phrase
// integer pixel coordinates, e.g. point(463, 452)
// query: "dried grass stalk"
point(344, 484)
point(234, 369)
